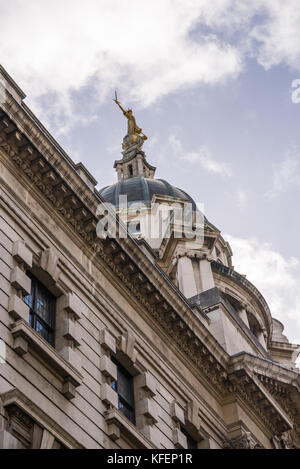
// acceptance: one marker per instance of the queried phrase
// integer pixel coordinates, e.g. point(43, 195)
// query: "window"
point(124, 388)
point(134, 228)
point(130, 169)
point(191, 443)
point(42, 310)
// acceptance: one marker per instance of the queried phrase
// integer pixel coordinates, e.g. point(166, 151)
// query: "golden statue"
point(133, 128)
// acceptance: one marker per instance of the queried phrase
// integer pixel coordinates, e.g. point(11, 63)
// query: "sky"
point(215, 85)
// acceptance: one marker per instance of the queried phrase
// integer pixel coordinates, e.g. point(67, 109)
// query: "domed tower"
point(193, 254)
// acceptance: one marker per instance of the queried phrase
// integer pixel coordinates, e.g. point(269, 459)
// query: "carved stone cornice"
point(81, 217)
point(243, 373)
point(23, 411)
point(281, 384)
point(52, 175)
point(14, 412)
point(285, 396)
point(255, 397)
point(287, 441)
point(244, 441)
point(20, 424)
point(191, 254)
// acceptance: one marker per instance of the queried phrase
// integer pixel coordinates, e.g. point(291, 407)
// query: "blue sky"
point(210, 82)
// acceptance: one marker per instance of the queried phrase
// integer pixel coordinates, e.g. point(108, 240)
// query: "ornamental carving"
point(245, 441)
point(287, 440)
point(69, 206)
point(82, 220)
point(191, 254)
point(243, 385)
point(17, 414)
point(20, 425)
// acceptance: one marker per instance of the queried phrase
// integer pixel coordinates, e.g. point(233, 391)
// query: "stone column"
point(206, 275)
point(186, 277)
point(140, 168)
point(120, 173)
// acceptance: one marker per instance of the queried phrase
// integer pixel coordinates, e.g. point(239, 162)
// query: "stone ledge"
point(108, 395)
point(119, 425)
point(64, 174)
point(177, 413)
point(20, 281)
point(265, 367)
point(26, 338)
point(21, 254)
point(17, 398)
point(261, 400)
point(147, 408)
point(72, 304)
point(70, 331)
point(18, 309)
point(107, 341)
point(12, 87)
point(147, 382)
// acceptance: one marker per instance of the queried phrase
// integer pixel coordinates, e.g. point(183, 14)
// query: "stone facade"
point(207, 362)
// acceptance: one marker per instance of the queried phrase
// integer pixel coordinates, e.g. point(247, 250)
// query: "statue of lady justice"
point(134, 133)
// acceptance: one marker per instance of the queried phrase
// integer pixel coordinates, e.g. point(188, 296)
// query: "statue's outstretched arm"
point(123, 110)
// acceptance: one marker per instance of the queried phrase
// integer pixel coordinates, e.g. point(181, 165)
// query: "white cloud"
point(141, 47)
point(145, 49)
point(268, 29)
point(277, 278)
point(201, 157)
point(278, 35)
point(286, 174)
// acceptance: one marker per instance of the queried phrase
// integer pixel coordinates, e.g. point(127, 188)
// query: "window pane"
point(44, 305)
point(127, 411)
point(125, 387)
point(31, 319)
point(29, 300)
point(42, 310)
point(41, 329)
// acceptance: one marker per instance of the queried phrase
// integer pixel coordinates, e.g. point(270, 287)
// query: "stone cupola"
point(134, 161)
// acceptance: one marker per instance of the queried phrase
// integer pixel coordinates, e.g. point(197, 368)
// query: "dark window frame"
point(36, 321)
point(134, 229)
point(126, 403)
point(191, 443)
point(130, 170)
